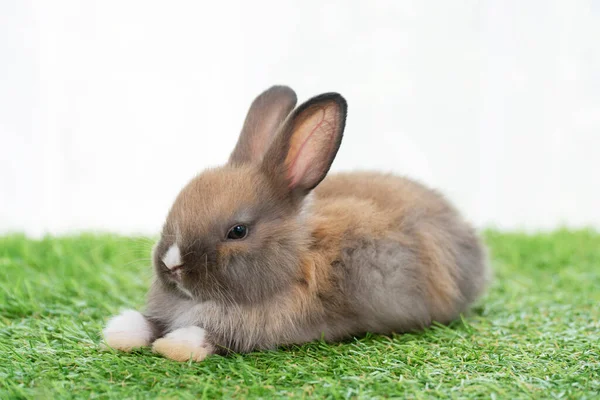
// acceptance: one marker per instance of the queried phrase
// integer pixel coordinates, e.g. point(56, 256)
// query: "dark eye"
point(237, 232)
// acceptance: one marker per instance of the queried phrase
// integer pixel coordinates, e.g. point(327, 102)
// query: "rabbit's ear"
point(301, 154)
point(264, 118)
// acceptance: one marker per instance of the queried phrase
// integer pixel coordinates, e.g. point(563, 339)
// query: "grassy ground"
point(536, 334)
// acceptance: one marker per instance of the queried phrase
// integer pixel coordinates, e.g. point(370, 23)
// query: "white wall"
point(108, 108)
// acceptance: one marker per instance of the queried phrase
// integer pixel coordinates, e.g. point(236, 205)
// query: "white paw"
point(127, 331)
point(184, 344)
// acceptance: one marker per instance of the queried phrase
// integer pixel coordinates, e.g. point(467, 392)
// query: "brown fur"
point(391, 207)
point(364, 252)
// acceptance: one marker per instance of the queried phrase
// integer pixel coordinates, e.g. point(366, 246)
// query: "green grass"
point(535, 334)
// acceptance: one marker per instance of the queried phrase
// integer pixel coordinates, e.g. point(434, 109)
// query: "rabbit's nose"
point(175, 272)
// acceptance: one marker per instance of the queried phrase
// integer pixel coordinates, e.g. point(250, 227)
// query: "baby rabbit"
point(264, 251)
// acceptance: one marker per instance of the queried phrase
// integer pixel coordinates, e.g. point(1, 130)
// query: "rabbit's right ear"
point(301, 154)
point(265, 115)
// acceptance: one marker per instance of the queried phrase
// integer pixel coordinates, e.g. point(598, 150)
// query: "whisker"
point(136, 261)
point(188, 253)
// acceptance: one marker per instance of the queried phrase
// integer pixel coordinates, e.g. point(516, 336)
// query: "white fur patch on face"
point(128, 330)
point(172, 257)
point(184, 344)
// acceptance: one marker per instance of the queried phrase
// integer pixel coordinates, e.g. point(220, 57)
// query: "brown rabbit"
point(263, 252)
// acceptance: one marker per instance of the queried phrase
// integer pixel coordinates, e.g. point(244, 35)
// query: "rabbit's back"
point(401, 250)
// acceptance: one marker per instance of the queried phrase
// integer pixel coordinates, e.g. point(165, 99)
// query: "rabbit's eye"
point(237, 232)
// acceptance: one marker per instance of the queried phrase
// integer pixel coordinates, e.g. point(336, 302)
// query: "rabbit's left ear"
point(301, 154)
point(263, 120)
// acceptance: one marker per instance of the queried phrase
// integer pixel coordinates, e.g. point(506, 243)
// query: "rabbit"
point(266, 251)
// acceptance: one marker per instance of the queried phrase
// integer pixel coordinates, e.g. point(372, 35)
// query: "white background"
point(108, 108)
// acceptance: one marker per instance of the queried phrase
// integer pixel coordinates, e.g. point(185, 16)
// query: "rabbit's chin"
point(186, 292)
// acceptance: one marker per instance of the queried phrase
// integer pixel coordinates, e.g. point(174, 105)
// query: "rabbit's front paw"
point(127, 331)
point(184, 344)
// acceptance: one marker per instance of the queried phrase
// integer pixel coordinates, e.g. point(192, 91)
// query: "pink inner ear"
point(311, 146)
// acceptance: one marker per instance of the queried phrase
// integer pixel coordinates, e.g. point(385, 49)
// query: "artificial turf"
point(536, 334)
